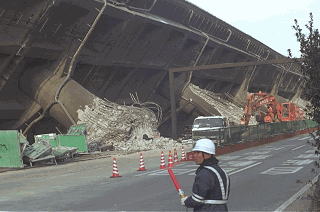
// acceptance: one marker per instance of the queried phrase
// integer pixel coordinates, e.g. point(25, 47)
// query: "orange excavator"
point(266, 109)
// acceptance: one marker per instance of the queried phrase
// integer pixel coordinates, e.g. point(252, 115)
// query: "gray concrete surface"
point(260, 181)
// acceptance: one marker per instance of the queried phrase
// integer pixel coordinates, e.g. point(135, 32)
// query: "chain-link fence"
point(239, 134)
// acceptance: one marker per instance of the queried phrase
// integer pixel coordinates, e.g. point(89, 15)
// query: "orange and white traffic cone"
point(175, 156)
point(183, 154)
point(162, 161)
point(115, 171)
point(170, 162)
point(141, 167)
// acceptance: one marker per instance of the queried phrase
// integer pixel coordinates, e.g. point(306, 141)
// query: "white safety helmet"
point(205, 145)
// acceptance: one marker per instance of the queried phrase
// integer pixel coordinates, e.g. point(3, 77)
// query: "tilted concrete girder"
point(132, 46)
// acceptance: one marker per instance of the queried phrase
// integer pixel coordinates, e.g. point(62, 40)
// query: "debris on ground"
point(226, 108)
point(122, 127)
point(37, 152)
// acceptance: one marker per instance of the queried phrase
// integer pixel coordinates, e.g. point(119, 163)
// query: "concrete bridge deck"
point(55, 56)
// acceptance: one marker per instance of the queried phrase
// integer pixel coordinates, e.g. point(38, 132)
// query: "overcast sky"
point(269, 21)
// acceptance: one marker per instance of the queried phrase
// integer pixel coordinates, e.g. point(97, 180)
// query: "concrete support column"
point(241, 95)
point(298, 93)
point(277, 83)
point(42, 88)
point(173, 105)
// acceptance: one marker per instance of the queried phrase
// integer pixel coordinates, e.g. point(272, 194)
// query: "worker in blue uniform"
point(211, 186)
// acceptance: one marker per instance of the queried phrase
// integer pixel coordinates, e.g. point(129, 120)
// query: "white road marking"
point(297, 162)
point(192, 165)
point(271, 148)
point(175, 171)
point(307, 156)
point(281, 170)
point(4, 199)
point(194, 173)
point(304, 138)
point(278, 148)
point(292, 139)
point(310, 151)
point(296, 195)
point(237, 163)
point(229, 157)
point(145, 173)
point(244, 168)
point(256, 157)
point(290, 145)
point(231, 170)
point(298, 147)
point(257, 153)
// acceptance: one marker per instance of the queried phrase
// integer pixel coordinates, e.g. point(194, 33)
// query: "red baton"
point(176, 183)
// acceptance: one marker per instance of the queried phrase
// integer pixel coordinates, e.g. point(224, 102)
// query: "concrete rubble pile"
point(126, 128)
point(225, 107)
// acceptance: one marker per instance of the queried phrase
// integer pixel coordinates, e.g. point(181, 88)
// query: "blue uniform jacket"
point(206, 186)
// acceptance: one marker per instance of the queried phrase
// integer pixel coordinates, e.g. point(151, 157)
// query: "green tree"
point(310, 67)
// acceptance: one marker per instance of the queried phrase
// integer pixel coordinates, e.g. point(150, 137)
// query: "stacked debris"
point(126, 128)
point(144, 142)
point(225, 107)
point(62, 153)
point(38, 152)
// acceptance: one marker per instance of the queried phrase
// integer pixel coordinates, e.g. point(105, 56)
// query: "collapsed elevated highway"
point(56, 56)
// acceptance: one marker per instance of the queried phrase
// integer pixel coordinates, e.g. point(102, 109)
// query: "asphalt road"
point(262, 179)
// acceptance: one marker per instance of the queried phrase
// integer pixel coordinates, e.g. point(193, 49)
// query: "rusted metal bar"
point(234, 65)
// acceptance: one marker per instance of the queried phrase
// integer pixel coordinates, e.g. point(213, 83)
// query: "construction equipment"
point(267, 109)
point(291, 112)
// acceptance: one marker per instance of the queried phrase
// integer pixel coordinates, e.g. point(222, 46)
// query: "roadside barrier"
point(141, 167)
point(115, 171)
point(162, 161)
point(170, 162)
